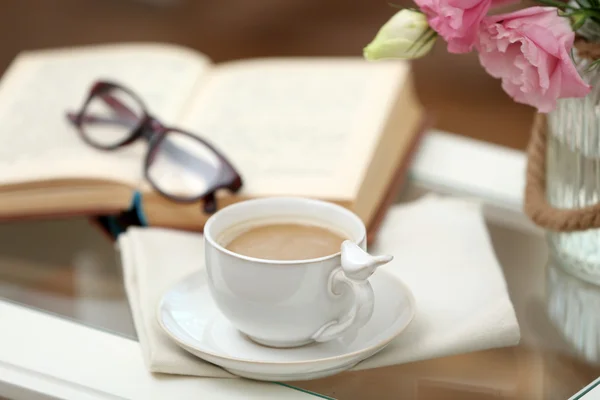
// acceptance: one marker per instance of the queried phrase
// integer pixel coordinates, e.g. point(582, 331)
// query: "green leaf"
point(578, 23)
point(594, 3)
point(578, 18)
point(577, 15)
point(591, 12)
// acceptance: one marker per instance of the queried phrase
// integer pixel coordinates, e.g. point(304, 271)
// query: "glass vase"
point(573, 173)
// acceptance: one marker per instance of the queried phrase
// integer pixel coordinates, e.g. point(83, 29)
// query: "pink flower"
point(530, 51)
point(457, 21)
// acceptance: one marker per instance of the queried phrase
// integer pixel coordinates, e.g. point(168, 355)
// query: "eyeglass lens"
point(183, 166)
point(111, 117)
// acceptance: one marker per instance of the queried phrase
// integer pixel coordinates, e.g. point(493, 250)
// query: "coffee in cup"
point(295, 240)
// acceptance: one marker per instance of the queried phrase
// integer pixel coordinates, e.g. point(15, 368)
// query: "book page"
point(297, 126)
point(39, 143)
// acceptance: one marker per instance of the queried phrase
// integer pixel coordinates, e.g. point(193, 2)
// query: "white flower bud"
point(405, 35)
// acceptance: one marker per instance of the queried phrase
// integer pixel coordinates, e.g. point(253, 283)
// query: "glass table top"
point(69, 268)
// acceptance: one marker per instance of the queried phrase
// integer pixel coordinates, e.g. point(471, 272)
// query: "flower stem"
point(558, 4)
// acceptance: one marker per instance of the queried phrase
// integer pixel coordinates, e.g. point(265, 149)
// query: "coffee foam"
point(224, 238)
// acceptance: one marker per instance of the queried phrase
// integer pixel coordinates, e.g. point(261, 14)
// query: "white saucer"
point(189, 316)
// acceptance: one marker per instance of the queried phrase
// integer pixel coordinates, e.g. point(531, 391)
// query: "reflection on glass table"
point(65, 267)
point(75, 274)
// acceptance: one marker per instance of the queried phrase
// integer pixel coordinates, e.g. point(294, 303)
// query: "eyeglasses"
point(179, 165)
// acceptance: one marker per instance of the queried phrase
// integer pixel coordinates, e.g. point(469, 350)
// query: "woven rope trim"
point(536, 205)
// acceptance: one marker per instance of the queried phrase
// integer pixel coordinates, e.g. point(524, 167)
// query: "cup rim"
point(208, 237)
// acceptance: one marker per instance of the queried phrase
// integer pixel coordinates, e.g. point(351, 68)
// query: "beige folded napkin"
point(441, 250)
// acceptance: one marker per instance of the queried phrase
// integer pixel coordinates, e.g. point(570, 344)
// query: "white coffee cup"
point(291, 303)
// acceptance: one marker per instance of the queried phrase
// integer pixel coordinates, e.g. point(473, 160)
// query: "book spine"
point(113, 225)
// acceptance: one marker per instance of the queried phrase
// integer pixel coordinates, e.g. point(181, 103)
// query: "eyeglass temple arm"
point(119, 108)
point(124, 114)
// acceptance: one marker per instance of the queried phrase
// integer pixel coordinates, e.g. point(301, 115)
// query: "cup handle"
point(357, 266)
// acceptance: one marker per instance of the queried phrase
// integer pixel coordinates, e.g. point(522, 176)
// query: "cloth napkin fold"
point(441, 250)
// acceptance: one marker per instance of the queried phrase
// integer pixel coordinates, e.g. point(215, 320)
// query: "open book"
point(336, 129)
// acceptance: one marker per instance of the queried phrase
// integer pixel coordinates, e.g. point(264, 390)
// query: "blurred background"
point(464, 99)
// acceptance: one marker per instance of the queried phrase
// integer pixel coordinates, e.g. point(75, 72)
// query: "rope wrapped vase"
point(536, 204)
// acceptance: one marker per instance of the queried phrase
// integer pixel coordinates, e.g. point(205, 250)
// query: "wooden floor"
point(464, 99)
